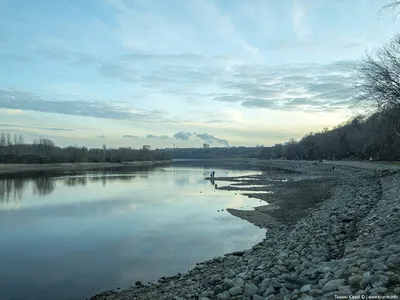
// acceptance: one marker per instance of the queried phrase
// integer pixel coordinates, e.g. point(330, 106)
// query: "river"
point(70, 236)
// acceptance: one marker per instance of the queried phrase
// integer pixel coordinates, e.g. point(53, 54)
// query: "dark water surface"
point(72, 236)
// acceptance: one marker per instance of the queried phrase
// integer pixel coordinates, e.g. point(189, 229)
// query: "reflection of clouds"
point(236, 201)
point(76, 210)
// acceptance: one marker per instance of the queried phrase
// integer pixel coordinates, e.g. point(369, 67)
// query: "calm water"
point(71, 236)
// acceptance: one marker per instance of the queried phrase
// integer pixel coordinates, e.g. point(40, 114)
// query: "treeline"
point(13, 149)
point(360, 138)
point(218, 152)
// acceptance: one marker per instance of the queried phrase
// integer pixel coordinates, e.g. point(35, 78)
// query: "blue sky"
point(227, 72)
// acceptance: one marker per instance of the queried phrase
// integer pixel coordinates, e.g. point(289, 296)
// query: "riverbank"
point(333, 229)
point(6, 169)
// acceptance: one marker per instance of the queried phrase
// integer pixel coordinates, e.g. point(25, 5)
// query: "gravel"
point(347, 244)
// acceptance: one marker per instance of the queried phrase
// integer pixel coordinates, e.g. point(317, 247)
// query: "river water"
point(70, 236)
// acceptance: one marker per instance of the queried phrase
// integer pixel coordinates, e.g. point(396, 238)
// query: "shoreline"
point(335, 232)
point(12, 169)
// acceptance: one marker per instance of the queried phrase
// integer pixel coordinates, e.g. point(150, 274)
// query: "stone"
point(333, 285)
point(239, 282)
point(224, 296)
point(396, 291)
point(204, 298)
point(306, 288)
point(250, 289)
point(269, 291)
point(378, 290)
point(218, 289)
point(354, 281)
point(257, 297)
point(393, 261)
point(380, 267)
point(228, 283)
point(236, 290)
point(316, 293)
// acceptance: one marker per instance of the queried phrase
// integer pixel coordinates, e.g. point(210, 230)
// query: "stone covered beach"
point(333, 231)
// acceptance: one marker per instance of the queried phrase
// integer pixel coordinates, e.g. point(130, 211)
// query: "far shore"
point(22, 168)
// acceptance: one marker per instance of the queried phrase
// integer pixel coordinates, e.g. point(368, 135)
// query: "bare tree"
point(380, 74)
point(9, 139)
point(393, 5)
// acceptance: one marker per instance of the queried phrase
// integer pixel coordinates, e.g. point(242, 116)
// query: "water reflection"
point(43, 184)
point(71, 238)
point(11, 190)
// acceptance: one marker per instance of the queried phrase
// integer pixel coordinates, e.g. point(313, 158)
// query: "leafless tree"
point(380, 84)
point(391, 6)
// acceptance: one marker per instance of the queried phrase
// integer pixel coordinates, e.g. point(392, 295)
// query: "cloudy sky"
point(227, 72)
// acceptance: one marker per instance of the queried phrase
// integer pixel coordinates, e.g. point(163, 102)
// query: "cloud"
point(291, 87)
point(211, 139)
point(115, 69)
point(130, 136)
point(37, 127)
point(22, 100)
point(161, 137)
point(299, 23)
point(184, 136)
point(205, 137)
point(14, 111)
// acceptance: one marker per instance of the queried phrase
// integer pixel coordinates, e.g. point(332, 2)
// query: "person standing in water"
point(213, 173)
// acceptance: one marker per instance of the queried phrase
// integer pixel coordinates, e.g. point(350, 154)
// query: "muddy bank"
point(6, 169)
point(333, 232)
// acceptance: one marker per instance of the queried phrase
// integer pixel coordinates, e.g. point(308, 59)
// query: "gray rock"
point(396, 291)
point(393, 261)
point(228, 283)
point(316, 293)
point(308, 298)
point(306, 288)
point(224, 296)
point(257, 297)
point(250, 289)
point(380, 266)
point(218, 289)
point(236, 290)
point(333, 285)
point(378, 290)
point(239, 282)
point(269, 291)
point(204, 298)
point(355, 280)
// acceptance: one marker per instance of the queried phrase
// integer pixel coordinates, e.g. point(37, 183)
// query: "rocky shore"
point(342, 239)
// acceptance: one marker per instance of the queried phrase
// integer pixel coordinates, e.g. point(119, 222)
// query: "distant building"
point(146, 147)
point(206, 146)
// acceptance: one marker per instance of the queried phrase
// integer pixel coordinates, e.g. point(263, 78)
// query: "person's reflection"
point(213, 183)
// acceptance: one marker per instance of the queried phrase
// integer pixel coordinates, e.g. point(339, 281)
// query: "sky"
point(183, 72)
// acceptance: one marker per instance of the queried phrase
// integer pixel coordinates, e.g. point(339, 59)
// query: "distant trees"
point(359, 138)
point(215, 152)
point(43, 150)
